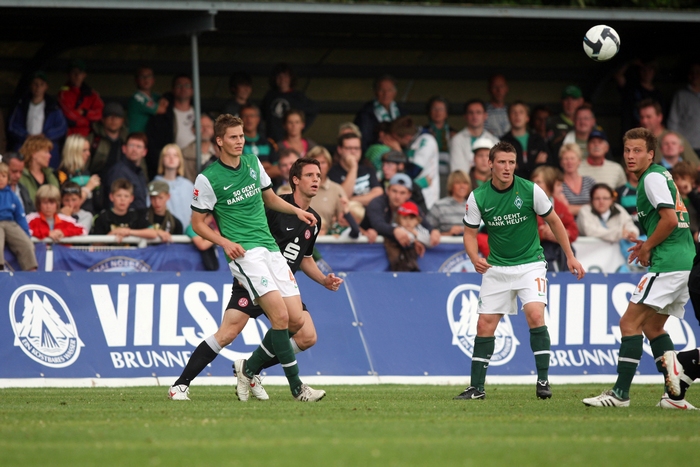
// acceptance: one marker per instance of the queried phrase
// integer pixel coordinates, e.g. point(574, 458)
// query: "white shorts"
point(502, 285)
point(665, 292)
point(261, 271)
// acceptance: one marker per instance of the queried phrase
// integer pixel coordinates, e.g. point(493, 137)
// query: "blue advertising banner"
point(40, 250)
point(130, 325)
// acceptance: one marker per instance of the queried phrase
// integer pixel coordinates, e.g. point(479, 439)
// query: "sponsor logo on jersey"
point(195, 194)
point(44, 327)
point(243, 302)
point(462, 305)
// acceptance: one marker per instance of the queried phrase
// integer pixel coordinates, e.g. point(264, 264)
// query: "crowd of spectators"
point(78, 165)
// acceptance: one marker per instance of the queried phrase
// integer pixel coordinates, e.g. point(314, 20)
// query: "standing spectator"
point(37, 113)
point(81, 104)
point(684, 116)
point(422, 151)
point(159, 216)
point(359, 181)
point(328, 202)
point(48, 221)
point(597, 166)
point(584, 123)
point(447, 213)
point(173, 126)
point(71, 202)
point(283, 97)
point(144, 103)
point(74, 168)
point(382, 109)
point(208, 154)
point(651, 117)
point(480, 173)
point(14, 230)
point(531, 149)
point(497, 122)
point(241, 86)
point(635, 81)
point(37, 154)
point(171, 171)
point(294, 124)
point(256, 142)
point(129, 168)
point(440, 129)
point(461, 153)
point(287, 158)
point(571, 100)
point(539, 122)
point(576, 188)
point(107, 139)
point(15, 162)
point(122, 220)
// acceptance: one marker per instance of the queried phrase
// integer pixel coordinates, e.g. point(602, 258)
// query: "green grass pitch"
point(387, 425)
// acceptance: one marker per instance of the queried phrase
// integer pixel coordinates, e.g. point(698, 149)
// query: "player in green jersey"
point(516, 268)
point(663, 291)
point(236, 189)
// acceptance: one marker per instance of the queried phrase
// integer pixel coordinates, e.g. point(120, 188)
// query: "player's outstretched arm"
point(472, 248)
point(310, 268)
point(276, 203)
point(559, 231)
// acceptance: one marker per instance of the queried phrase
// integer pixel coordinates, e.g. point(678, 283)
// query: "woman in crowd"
point(447, 213)
point(576, 188)
point(74, 168)
point(171, 170)
point(294, 124)
point(36, 150)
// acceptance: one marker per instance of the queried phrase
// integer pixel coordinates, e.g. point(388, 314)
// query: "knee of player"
point(307, 340)
point(225, 336)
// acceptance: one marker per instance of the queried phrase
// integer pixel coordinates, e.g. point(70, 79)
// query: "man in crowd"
point(497, 122)
point(530, 148)
point(461, 153)
point(15, 162)
point(358, 180)
point(651, 117)
point(383, 108)
point(107, 138)
point(80, 103)
point(571, 100)
point(597, 166)
point(684, 116)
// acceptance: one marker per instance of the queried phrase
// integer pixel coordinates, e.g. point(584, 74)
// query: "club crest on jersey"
point(44, 327)
point(462, 305)
point(243, 302)
point(253, 174)
point(307, 234)
point(263, 282)
point(518, 202)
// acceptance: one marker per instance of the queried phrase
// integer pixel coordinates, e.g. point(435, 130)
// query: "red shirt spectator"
point(81, 104)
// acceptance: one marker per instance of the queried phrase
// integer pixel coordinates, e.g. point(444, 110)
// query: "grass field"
point(388, 425)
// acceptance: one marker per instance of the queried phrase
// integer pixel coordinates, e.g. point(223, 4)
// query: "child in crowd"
point(48, 221)
point(684, 175)
point(405, 258)
point(13, 226)
point(347, 226)
point(163, 222)
point(171, 168)
point(121, 221)
point(71, 204)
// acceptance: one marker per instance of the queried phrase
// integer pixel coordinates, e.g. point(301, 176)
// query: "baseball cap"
point(394, 156)
point(157, 187)
point(113, 109)
point(401, 179)
point(572, 91)
point(597, 134)
point(409, 208)
point(482, 143)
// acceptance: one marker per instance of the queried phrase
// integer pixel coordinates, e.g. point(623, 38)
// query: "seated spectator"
point(14, 231)
point(382, 109)
point(550, 180)
point(256, 142)
point(672, 150)
point(207, 249)
point(684, 176)
point(540, 124)
point(121, 220)
point(294, 124)
point(422, 151)
point(405, 257)
point(15, 162)
point(461, 152)
point(349, 127)
point(37, 113)
point(281, 97)
point(346, 225)
point(130, 168)
point(438, 111)
point(447, 213)
point(208, 154)
point(36, 151)
point(107, 138)
point(385, 143)
point(480, 173)
point(48, 221)
point(240, 84)
point(651, 117)
point(531, 149)
point(394, 162)
point(562, 124)
point(71, 204)
point(328, 202)
point(74, 168)
point(81, 104)
point(627, 197)
point(597, 166)
point(497, 122)
point(382, 210)
point(576, 188)
point(170, 171)
point(359, 181)
point(584, 124)
point(287, 158)
point(159, 217)
point(144, 103)
point(603, 218)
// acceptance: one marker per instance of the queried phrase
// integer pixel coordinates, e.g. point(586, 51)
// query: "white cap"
point(482, 143)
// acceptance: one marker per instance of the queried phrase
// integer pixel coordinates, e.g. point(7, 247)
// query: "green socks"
point(483, 350)
point(540, 345)
point(276, 343)
point(627, 362)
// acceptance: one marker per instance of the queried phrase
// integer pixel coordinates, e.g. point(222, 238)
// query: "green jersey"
point(656, 190)
point(510, 216)
point(234, 196)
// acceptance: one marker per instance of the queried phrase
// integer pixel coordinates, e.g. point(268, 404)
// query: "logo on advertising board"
point(462, 306)
point(120, 264)
point(44, 327)
point(458, 262)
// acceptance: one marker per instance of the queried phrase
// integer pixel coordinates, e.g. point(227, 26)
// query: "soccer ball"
point(601, 43)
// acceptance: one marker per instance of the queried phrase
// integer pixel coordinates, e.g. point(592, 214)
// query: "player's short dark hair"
point(224, 122)
point(474, 101)
point(346, 136)
point(501, 146)
point(121, 184)
point(643, 104)
point(641, 133)
point(298, 167)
